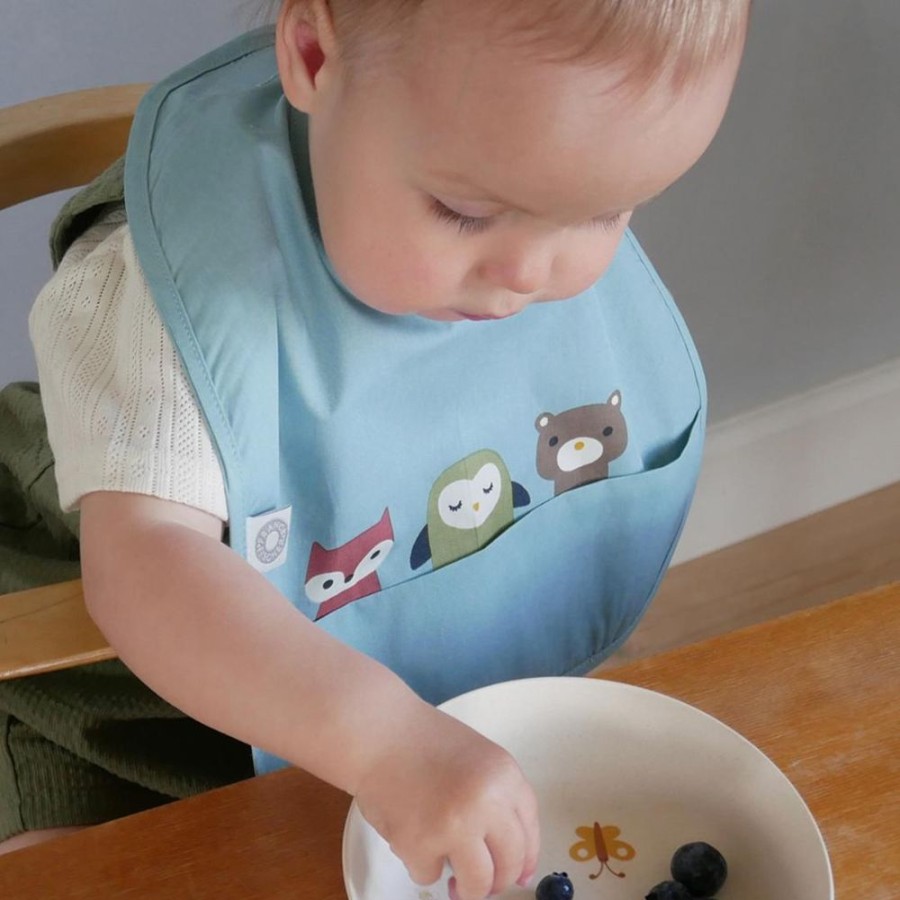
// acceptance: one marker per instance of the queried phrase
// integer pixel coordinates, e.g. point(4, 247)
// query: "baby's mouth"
point(473, 318)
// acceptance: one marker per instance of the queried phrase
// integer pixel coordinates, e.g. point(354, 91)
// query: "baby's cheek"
point(415, 273)
point(357, 253)
point(577, 280)
point(425, 270)
point(587, 266)
point(391, 276)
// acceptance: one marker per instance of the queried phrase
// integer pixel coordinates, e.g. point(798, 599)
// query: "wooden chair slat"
point(48, 628)
point(63, 141)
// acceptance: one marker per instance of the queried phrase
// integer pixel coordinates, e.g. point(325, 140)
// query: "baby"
point(375, 265)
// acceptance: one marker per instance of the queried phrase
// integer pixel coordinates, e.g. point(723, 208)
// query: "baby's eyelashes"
point(465, 224)
point(609, 223)
point(469, 224)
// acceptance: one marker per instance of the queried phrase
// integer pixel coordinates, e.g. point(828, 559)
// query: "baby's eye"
point(465, 224)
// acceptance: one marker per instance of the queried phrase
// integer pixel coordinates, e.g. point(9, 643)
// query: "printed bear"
point(576, 447)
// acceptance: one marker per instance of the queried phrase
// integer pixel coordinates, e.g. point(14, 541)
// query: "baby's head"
point(471, 157)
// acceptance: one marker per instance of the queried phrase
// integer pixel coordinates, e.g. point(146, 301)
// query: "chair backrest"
point(63, 141)
point(47, 145)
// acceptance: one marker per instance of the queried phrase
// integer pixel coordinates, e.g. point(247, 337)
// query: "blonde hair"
point(646, 36)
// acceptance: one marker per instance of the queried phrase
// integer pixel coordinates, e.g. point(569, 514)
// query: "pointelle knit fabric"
point(121, 415)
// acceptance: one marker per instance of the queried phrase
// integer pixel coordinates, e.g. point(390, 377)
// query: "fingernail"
point(451, 889)
point(526, 881)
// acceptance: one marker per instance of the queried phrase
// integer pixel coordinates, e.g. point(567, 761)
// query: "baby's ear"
point(306, 51)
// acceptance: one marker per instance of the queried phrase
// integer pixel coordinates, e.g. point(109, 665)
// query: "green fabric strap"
point(38, 542)
point(85, 207)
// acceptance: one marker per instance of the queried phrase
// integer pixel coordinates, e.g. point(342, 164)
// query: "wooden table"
point(818, 692)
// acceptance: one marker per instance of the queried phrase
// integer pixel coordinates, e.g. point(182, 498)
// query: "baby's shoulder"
point(97, 302)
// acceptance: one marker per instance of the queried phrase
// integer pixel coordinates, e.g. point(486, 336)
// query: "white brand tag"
point(267, 539)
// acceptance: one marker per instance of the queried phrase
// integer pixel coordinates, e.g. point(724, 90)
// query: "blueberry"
point(700, 868)
point(669, 890)
point(555, 887)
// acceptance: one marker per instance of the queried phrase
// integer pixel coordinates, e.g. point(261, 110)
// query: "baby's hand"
point(445, 792)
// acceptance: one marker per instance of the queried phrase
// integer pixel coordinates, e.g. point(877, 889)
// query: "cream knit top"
point(121, 415)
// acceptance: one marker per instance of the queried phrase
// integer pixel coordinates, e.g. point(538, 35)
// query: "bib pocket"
point(555, 593)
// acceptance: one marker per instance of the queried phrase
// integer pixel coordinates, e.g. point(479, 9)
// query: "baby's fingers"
point(473, 872)
point(507, 850)
point(531, 830)
point(423, 870)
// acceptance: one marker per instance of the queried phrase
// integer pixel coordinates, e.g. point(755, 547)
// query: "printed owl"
point(469, 504)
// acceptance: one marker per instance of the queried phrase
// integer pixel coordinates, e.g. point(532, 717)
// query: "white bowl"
point(651, 771)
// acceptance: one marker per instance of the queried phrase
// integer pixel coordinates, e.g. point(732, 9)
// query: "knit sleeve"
point(121, 415)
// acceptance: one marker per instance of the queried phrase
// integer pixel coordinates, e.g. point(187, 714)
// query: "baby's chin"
point(435, 315)
point(442, 315)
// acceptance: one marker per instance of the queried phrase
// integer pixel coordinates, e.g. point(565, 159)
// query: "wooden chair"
point(48, 145)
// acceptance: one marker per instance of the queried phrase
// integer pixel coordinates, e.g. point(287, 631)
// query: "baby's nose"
point(518, 280)
point(524, 275)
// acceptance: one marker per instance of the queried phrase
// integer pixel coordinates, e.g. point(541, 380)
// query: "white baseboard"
point(794, 458)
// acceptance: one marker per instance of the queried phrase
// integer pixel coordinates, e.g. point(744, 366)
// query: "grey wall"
point(52, 46)
point(782, 246)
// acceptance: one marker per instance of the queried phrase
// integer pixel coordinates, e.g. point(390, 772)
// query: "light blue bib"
point(467, 502)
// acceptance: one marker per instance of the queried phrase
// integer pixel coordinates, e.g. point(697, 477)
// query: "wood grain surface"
point(818, 692)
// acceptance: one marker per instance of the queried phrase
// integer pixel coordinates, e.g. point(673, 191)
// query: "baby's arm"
point(215, 638)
